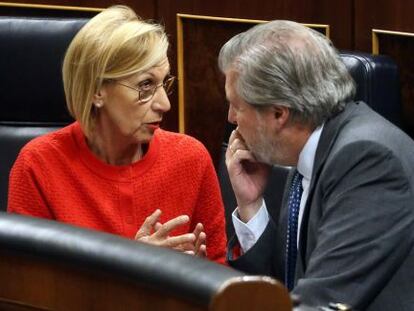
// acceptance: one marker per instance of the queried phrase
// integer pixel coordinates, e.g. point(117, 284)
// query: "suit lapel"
point(328, 137)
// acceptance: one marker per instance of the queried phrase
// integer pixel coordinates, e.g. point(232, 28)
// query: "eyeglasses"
point(147, 92)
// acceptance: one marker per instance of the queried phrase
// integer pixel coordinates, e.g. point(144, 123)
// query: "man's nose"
point(231, 116)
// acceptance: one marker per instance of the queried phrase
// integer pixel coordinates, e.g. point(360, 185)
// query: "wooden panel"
point(305, 11)
point(400, 46)
point(393, 15)
point(204, 112)
point(33, 284)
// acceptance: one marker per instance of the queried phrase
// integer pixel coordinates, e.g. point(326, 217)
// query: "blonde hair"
point(114, 44)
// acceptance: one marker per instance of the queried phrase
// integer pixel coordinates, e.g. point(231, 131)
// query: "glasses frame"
point(167, 85)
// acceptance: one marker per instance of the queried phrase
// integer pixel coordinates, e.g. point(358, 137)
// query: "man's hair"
point(287, 64)
point(114, 44)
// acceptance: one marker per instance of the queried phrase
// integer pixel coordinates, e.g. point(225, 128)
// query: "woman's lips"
point(153, 125)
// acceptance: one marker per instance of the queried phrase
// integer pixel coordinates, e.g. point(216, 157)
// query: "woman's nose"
point(161, 100)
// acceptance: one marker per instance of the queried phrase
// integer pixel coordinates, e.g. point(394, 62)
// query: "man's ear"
point(281, 115)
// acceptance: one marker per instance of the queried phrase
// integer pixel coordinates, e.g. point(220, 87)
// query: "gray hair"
point(287, 64)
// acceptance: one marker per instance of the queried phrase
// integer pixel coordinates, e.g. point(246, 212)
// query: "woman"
point(114, 169)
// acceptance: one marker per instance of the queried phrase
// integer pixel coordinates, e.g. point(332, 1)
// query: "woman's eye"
point(146, 85)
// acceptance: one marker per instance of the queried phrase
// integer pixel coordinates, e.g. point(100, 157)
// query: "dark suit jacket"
point(357, 234)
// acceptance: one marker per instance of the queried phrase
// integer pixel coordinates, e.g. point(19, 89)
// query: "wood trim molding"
point(268, 293)
point(377, 32)
point(49, 7)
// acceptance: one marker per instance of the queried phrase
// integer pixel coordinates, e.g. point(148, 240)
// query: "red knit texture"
point(57, 177)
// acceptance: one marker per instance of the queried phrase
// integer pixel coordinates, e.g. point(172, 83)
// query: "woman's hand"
point(200, 249)
point(155, 233)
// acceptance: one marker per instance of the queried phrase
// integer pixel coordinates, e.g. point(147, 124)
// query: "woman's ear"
point(98, 98)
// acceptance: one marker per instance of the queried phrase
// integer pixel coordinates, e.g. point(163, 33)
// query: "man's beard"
point(266, 150)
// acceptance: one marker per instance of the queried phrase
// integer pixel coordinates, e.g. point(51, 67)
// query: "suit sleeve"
point(262, 258)
point(365, 228)
point(27, 186)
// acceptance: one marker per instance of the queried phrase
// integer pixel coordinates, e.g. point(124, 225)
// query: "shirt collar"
point(307, 155)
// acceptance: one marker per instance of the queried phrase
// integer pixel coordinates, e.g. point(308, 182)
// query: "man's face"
point(255, 127)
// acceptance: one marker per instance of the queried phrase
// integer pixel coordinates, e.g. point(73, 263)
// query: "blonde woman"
point(114, 169)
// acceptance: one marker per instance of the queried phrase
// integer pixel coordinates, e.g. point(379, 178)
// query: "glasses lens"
point(168, 85)
point(146, 95)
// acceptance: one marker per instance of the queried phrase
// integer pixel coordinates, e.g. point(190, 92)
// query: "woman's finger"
point(148, 225)
point(200, 242)
point(202, 251)
point(166, 228)
point(179, 240)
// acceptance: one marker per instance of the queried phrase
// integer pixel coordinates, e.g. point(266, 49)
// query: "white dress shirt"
point(248, 233)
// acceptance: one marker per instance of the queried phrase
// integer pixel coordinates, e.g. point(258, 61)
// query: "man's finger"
point(243, 155)
point(237, 144)
point(232, 137)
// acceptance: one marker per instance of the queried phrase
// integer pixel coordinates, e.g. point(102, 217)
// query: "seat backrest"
point(377, 81)
point(47, 265)
point(376, 78)
point(32, 98)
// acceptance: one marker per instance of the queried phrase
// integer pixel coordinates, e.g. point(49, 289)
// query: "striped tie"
point(295, 194)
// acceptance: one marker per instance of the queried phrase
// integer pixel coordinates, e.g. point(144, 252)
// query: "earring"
point(98, 104)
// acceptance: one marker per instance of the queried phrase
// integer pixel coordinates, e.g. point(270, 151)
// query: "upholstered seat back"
point(377, 80)
point(47, 265)
point(32, 100)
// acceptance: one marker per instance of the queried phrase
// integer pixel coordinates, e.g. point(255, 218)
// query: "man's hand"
point(247, 176)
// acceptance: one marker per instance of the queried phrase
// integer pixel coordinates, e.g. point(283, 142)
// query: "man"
point(349, 235)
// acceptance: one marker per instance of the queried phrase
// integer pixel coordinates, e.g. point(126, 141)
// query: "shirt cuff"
point(248, 233)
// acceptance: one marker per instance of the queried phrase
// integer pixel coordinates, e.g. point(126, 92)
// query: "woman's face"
point(126, 117)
